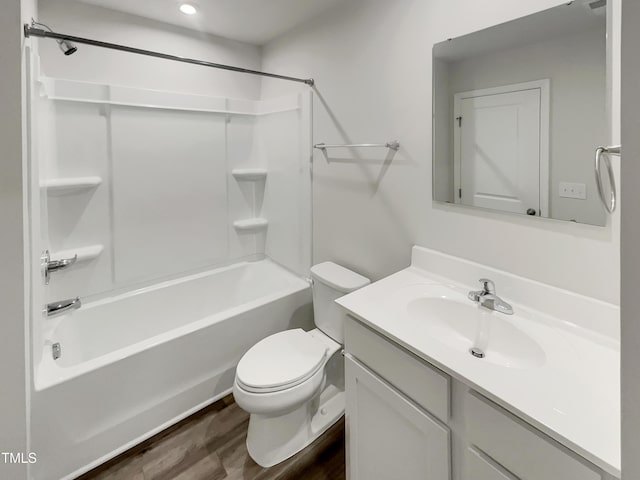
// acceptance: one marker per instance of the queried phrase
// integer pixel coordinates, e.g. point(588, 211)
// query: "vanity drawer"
point(480, 467)
point(520, 448)
point(422, 383)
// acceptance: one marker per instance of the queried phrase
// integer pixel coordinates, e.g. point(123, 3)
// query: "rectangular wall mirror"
point(518, 112)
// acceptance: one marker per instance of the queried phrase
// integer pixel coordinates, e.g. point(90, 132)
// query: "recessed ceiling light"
point(188, 9)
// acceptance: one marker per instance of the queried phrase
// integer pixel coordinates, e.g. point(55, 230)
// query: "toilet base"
point(272, 439)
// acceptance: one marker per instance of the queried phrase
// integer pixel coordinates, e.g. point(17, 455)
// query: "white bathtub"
point(133, 364)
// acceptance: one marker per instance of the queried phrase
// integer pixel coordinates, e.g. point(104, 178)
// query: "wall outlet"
point(573, 190)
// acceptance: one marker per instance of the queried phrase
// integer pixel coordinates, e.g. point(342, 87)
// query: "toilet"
point(292, 382)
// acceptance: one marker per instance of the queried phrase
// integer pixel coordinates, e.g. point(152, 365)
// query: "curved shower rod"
point(30, 31)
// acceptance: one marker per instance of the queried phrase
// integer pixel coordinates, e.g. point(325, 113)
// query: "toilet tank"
point(330, 282)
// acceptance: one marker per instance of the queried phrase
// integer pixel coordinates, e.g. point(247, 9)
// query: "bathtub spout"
point(57, 308)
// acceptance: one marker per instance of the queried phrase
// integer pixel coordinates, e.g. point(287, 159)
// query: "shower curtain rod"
point(30, 31)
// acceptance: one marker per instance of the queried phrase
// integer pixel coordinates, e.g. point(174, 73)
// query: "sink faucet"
point(487, 298)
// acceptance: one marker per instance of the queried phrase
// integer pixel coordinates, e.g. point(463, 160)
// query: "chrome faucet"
point(488, 299)
point(58, 308)
point(49, 266)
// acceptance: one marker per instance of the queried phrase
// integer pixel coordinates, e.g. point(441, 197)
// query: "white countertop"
point(574, 396)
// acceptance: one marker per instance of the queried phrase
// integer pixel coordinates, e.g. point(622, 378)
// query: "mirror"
point(518, 112)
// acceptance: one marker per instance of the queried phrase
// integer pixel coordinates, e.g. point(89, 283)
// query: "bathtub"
point(133, 364)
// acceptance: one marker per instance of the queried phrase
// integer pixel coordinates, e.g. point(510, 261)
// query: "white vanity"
point(542, 404)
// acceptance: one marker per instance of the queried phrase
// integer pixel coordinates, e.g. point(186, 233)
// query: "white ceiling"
point(251, 21)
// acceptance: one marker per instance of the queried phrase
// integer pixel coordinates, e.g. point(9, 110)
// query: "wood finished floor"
point(210, 445)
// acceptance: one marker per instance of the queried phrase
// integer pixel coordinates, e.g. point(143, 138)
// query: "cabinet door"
point(388, 437)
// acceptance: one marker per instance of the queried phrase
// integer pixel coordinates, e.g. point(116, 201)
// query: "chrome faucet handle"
point(488, 286)
point(474, 296)
point(487, 297)
point(55, 265)
point(49, 266)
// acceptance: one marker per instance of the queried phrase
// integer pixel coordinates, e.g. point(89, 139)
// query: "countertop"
point(574, 396)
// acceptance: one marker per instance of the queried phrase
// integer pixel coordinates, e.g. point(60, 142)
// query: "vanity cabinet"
point(408, 420)
point(388, 436)
point(518, 447)
point(480, 467)
point(424, 385)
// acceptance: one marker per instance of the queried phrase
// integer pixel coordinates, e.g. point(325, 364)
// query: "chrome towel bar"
point(393, 145)
point(611, 202)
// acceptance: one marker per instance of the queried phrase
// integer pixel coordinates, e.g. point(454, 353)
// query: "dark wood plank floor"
point(210, 445)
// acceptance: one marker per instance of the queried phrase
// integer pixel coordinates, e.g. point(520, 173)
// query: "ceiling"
point(251, 21)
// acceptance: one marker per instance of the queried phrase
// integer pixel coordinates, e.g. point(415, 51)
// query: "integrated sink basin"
point(448, 316)
point(552, 358)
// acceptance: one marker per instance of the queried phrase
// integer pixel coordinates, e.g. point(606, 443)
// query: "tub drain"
point(476, 352)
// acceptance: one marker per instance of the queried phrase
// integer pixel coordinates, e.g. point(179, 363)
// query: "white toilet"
point(292, 383)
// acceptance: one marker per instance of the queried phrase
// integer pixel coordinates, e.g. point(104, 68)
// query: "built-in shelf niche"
point(85, 254)
point(71, 185)
point(255, 176)
point(250, 225)
point(249, 174)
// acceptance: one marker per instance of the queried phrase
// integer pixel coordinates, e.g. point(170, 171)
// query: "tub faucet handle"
point(49, 266)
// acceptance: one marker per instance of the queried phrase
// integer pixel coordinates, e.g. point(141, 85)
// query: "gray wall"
point(630, 300)
point(13, 326)
point(443, 177)
point(372, 63)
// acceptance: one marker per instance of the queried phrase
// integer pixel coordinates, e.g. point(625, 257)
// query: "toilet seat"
point(281, 362)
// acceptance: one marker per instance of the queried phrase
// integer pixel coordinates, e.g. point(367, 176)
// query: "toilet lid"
point(281, 360)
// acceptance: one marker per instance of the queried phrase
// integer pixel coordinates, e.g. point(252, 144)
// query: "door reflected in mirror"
point(519, 110)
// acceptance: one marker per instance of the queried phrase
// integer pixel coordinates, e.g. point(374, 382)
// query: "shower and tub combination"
point(178, 226)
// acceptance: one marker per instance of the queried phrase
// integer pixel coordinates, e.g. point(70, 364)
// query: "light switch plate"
point(573, 190)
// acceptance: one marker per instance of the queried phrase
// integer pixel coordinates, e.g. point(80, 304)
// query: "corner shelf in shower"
point(84, 254)
point(67, 186)
point(251, 224)
point(249, 174)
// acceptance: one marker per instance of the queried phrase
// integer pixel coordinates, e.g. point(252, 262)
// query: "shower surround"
point(191, 219)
